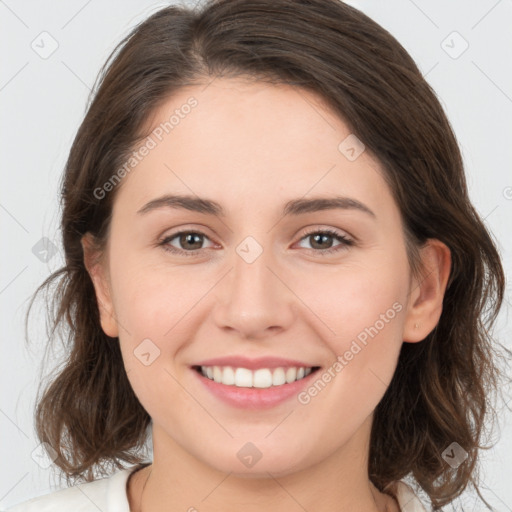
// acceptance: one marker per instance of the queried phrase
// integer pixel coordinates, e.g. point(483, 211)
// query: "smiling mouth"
point(260, 378)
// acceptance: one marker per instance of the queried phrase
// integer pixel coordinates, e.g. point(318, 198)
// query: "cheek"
point(350, 298)
point(151, 306)
point(155, 314)
point(359, 312)
point(152, 301)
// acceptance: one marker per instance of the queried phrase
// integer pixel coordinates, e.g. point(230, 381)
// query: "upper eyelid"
point(333, 231)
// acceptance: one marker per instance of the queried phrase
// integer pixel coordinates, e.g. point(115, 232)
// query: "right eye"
point(190, 242)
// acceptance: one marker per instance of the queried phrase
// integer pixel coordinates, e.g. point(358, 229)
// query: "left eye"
point(322, 240)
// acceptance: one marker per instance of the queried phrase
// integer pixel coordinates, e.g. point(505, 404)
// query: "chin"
point(251, 462)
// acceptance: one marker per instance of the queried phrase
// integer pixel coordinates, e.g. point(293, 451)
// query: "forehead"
point(251, 142)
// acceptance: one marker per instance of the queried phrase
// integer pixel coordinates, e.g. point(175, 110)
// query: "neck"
point(180, 481)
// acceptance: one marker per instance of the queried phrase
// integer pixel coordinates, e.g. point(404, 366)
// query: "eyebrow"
point(293, 207)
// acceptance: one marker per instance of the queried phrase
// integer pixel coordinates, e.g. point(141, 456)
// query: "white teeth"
point(291, 375)
point(217, 374)
point(278, 377)
point(228, 376)
point(261, 378)
point(243, 378)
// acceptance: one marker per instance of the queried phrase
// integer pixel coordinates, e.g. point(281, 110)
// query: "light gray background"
point(42, 102)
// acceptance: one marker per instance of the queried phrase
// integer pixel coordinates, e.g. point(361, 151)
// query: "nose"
point(255, 300)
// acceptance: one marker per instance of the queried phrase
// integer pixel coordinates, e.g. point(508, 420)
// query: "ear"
point(99, 276)
point(426, 293)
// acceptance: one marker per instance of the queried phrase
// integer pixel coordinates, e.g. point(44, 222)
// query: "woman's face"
point(258, 280)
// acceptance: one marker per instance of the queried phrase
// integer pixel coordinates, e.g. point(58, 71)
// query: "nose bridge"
point(253, 300)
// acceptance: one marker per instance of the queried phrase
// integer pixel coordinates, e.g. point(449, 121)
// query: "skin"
point(252, 147)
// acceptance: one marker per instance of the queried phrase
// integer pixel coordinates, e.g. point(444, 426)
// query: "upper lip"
point(254, 364)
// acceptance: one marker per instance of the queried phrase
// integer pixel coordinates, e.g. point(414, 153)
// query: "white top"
point(109, 495)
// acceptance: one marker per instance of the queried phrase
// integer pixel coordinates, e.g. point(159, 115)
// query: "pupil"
point(189, 239)
point(318, 238)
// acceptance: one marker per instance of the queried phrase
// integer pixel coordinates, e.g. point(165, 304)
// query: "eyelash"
point(345, 242)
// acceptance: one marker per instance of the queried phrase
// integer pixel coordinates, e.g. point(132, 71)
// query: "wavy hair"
point(442, 388)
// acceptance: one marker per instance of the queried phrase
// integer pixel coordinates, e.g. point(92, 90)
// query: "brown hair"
point(441, 390)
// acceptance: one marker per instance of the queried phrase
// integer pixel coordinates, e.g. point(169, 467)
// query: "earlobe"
point(427, 292)
point(98, 275)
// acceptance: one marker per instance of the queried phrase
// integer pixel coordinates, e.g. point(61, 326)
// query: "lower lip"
point(255, 398)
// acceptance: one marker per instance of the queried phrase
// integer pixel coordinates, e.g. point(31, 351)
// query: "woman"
point(272, 262)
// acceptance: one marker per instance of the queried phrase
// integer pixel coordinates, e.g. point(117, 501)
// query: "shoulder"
point(102, 494)
point(407, 499)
